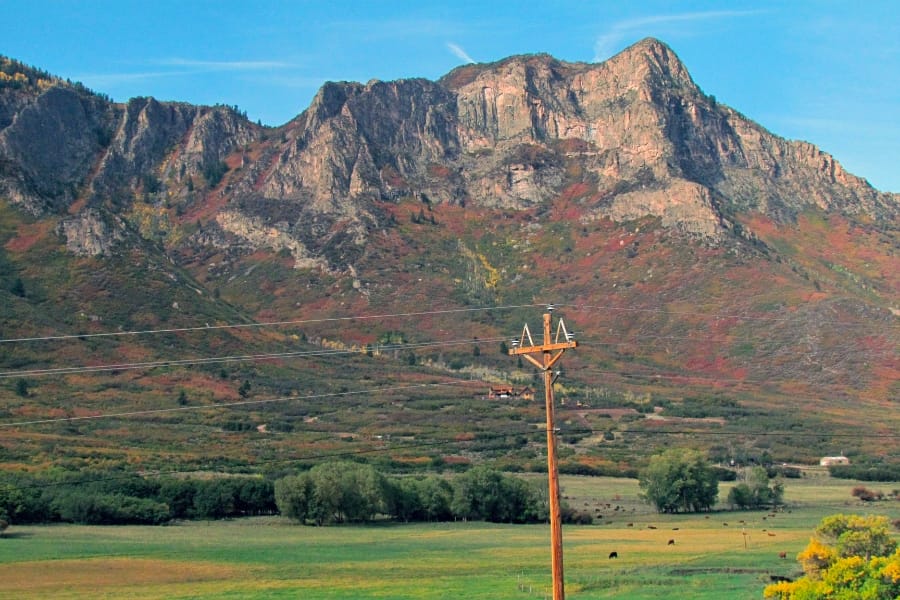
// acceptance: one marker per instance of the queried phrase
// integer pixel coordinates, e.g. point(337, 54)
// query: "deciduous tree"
point(851, 556)
point(679, 480)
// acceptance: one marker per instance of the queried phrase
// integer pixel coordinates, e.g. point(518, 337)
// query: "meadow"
point(269, 557)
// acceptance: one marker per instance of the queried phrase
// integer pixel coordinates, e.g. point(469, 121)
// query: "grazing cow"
point(671, 542)
point(770, 534)
point(651, 526)
point(778, 578)
point(614, 554)
point(630, 525)
point(725, 524)
point(674, 529)
point(782, 555)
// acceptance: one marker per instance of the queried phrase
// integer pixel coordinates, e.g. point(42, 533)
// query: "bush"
point(866, 495)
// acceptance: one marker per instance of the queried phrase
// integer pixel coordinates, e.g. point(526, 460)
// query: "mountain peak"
point(655, 58)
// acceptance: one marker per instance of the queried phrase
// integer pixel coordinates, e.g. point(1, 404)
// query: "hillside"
point(731, 289)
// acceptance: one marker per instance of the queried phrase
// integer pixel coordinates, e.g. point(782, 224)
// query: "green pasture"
point(269, 557)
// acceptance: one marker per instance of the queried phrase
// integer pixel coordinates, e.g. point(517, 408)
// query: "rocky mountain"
point(614, 186)
point(636, 130)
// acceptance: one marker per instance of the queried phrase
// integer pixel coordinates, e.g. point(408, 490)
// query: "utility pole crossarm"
point(544, 348)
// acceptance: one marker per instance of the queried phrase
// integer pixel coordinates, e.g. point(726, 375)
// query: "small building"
point(500, 391)
point(508, 391)
point(827, 461)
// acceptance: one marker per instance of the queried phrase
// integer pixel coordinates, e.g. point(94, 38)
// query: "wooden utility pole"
point(551, 350)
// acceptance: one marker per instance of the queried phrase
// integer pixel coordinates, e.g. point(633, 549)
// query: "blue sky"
point(823, 71)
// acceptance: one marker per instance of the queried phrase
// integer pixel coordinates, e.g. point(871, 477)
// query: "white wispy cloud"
point(460, 53)
point(610, 42)
point(178, 67)
point(224, 65)
point(105, 80)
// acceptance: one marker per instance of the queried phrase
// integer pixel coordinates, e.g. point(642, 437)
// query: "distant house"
point(827, 461)
point(526, 393)
point(508, 391)
point(500, 391)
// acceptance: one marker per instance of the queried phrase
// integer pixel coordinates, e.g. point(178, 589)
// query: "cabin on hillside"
point(508, 391)
point(827, 461)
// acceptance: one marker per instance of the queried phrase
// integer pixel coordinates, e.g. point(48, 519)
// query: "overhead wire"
point(155, 411)
point(327, 352)
point(715, 315)
point(224, 359)
point(363, 317)
point(209, 328)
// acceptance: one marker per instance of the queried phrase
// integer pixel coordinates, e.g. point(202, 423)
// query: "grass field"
point(272, 558)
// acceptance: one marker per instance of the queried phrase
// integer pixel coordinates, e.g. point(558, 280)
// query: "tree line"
point(117, 498)
point(333, 492)
point(677, 480)
point(348, 492)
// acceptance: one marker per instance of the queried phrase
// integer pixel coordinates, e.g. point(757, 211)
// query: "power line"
point(209, 328)
point(224, 359)
point(716, 315)
point(623, 374)
point(154, 411)
point(263, 324)
point(688, 378)
point(333, 352)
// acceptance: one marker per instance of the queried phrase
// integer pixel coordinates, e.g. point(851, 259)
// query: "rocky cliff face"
point(48, 144)
point(635, 133)
point(516, 133)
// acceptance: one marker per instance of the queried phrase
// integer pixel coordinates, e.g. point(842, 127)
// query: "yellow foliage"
point(493, 275)
point(780, 590)
point(829, 574)
point(815, 557)
point(484, 272)
point(846, 572)
point(802, 589)
point(891, 570)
